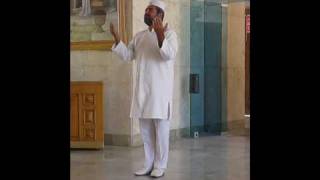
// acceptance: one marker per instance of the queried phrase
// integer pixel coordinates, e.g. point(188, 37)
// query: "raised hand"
point(159, 29)
point(114, 33)
point(158, 25)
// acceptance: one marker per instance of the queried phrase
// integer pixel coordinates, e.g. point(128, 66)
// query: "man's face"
point(150, 14)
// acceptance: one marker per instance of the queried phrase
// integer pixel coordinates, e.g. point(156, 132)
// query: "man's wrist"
point(160, 37)
point(117, 40)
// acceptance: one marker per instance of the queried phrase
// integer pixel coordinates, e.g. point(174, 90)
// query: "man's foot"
point(143, 172)
point(157, 173)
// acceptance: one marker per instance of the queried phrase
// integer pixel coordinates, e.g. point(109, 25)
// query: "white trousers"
point(155, 137)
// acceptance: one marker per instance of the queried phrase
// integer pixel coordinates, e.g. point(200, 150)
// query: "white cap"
point(158, 3)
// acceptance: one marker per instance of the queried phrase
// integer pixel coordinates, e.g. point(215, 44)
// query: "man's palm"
point(112, 30)
point(114, 33)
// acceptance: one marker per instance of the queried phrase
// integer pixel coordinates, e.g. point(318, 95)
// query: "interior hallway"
point(206, 158)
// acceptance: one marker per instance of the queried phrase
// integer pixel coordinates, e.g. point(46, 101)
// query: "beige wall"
point(236, 66)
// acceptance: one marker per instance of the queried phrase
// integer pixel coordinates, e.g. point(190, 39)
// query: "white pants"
point(155, 137)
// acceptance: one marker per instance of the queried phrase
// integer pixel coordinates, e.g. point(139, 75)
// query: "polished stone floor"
point(206, 158)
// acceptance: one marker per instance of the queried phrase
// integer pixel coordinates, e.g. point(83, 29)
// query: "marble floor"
point(206, 158)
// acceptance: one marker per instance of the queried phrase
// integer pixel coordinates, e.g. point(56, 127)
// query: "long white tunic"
point(153, 90)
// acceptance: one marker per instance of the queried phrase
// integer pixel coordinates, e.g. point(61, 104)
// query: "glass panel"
point(197, 65)
point(212, 67)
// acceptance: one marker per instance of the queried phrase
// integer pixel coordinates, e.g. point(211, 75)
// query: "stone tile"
point(204, 158)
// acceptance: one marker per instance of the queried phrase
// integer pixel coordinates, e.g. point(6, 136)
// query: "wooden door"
point(75, 127)
point(87, 129)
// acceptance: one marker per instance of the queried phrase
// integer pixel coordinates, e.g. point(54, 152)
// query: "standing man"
point(154, 50)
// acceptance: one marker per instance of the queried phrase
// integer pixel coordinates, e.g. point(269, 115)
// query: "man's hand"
point(114, 33)
point(159, 29)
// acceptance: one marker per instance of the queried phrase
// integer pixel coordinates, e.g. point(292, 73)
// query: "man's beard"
point(148, 20)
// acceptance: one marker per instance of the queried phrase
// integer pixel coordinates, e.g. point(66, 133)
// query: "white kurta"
point(153, 90)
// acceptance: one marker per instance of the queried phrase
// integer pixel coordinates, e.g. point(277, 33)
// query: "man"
point(154, 50)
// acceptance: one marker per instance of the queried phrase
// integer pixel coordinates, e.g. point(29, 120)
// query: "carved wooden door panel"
point(87, 129)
